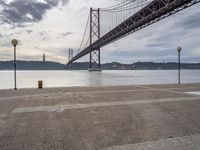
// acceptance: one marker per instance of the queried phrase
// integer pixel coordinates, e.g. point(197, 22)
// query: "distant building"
point(44, 57)
point(133, 66)
point(114, 66)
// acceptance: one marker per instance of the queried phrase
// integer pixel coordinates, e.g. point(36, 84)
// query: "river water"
point(29, 79)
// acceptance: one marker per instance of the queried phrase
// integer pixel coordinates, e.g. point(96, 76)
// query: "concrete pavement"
point(101, 118)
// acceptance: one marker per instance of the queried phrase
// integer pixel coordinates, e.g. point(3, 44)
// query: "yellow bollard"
point(40, 84)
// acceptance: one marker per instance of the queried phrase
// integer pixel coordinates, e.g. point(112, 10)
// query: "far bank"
point(48, 65)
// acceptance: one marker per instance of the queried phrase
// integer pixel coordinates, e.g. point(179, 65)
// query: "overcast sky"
point(53, 26)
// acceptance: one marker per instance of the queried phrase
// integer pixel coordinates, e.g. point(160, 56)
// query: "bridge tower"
point(95, 55)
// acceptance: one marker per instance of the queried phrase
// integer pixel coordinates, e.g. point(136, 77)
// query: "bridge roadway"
point(146, 117)
point(155, 11)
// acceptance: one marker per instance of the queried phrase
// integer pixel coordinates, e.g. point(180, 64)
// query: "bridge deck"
point(103, 118)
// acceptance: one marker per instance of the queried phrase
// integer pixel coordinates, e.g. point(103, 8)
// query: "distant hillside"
point(32, 65)
point(38, 65)
point(135, 66)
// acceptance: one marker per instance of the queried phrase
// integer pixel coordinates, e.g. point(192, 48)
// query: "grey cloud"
point(190, 22)
point(20, 12)
point(154, 44)
point(2, 3)
point(64, 35)
point(45, 38)
point(151, 52)
point(44, 35)
point(29, 31)
point(64, 2)
point(41, 34)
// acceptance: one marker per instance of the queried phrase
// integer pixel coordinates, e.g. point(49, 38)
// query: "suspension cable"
point(129, 8)
point(84, 33)
point(119, 6)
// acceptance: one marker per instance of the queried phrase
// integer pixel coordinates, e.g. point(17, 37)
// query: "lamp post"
point(14, 43)
point(179, 64)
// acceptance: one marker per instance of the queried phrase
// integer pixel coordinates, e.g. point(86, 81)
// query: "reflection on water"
point(28, 79)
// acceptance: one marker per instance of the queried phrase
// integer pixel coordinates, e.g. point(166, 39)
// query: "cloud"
point(29, 31)
point(45, 35)
point(191, 22)
point(64, 2)
point(62, 35)
point(21, 12)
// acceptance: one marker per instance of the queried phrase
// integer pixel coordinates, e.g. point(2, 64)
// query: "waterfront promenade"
point(141, 117)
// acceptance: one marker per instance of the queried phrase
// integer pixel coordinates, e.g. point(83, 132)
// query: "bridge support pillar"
point(95, 54)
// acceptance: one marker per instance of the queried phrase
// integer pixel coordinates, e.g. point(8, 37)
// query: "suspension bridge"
point(106, 25)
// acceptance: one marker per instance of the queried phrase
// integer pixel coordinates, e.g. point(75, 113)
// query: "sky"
point(54, 26)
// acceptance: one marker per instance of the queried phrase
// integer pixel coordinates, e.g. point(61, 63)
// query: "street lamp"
point(14, 43)
point(179, 64)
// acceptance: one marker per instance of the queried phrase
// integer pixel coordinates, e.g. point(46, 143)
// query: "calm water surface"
point(28, 79)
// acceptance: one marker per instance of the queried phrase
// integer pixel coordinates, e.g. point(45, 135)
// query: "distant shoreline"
point(48, 65)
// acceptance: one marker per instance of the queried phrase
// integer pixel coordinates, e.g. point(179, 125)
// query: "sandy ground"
point(145, 117)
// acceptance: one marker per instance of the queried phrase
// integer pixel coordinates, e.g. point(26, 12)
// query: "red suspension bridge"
point(107, 25)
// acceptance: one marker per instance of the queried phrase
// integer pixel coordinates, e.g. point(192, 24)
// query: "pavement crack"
point(77, 132)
